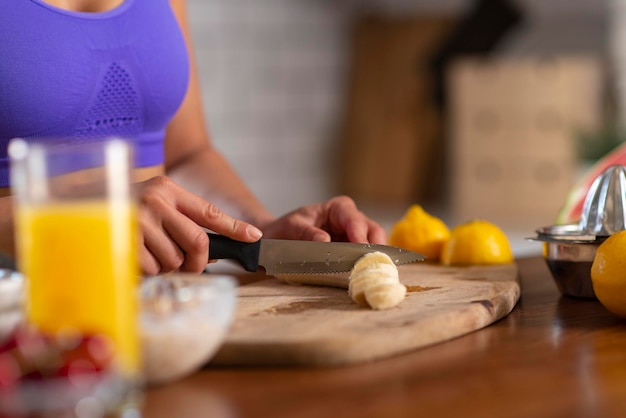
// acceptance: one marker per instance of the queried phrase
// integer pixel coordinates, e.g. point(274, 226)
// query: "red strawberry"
point(10, 371)
point(95, 349)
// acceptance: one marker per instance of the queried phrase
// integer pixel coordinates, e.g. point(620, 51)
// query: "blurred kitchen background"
point(469, 108)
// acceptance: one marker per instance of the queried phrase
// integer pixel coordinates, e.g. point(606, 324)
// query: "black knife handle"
point(244, 253)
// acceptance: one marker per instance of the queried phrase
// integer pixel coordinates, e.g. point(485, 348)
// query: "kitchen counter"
point(552, 356)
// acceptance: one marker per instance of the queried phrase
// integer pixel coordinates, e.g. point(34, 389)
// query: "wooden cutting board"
point(283, 324)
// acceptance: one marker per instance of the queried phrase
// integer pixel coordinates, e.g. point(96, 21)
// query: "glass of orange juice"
point(76, 237)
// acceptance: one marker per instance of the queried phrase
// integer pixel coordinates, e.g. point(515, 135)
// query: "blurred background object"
point(317, 97)
point(512, 144)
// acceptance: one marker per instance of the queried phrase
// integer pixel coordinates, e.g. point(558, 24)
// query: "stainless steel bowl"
point(569, 258)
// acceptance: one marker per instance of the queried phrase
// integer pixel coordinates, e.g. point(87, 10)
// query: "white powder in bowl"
point(184, 319)
point(176, 347)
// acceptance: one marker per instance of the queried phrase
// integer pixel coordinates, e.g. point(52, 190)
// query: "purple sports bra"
point(121, 73)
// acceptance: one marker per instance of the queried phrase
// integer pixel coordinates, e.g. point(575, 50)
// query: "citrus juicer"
point(569, 249)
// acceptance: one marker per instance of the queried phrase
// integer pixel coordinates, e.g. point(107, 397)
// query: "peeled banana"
point(374, 280)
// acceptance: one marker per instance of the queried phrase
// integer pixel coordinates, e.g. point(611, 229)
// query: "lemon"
point(420, 232)
point(476, 242)
point(608, 273)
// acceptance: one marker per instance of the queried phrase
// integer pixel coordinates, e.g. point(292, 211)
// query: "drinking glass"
point(76, 244)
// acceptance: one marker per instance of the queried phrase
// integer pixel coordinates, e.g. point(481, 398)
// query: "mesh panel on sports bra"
point(116, 109)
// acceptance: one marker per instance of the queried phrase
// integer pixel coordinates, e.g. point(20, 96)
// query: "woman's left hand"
point(337, 219)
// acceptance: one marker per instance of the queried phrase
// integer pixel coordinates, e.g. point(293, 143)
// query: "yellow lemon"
point(608, 273)
point(420, 232)
point(476, 242)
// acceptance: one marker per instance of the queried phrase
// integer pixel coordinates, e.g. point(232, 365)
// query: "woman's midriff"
point(139, 174)
point(145, 173)
point(94, 6)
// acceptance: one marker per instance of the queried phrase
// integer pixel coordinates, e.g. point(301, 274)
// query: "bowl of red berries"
point(183, 321)
point(64, 375)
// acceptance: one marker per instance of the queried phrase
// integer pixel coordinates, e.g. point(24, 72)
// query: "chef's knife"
point(279, 256)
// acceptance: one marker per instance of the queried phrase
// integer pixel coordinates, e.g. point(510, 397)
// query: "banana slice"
point(385, 296)
point(374, 280)
point(371, 259)
point(368, 277)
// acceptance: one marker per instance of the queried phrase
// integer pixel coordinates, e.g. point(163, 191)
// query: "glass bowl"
point(52, 376)
point(184, 319)
point(90, 396)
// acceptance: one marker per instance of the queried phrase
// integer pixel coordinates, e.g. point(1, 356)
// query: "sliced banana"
point(374, 280)
point(385, 296)
point(371, 259)
point(365, 278)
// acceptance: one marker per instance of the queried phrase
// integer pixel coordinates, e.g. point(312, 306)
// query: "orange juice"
point(80, 261)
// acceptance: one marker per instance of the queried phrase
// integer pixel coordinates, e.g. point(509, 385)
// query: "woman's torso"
point(122, 72)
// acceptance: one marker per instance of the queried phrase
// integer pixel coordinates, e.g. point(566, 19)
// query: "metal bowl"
point(569, 257)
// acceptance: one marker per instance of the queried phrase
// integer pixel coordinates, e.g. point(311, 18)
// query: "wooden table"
point(552, 356)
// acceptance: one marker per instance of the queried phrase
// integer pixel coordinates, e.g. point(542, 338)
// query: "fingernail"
point(254, 232)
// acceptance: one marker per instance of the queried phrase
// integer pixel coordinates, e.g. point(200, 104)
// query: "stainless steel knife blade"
point(279, 256)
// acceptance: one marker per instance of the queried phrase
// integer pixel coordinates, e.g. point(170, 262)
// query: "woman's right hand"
point(172, 222)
